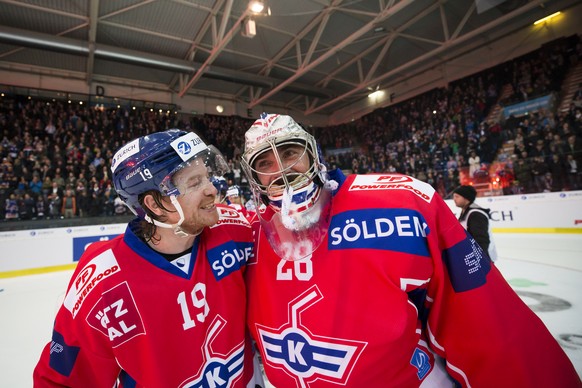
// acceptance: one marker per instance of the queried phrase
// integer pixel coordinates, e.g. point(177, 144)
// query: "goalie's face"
point(288, 163)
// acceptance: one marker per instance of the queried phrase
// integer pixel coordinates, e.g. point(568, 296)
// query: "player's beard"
point(197, 222)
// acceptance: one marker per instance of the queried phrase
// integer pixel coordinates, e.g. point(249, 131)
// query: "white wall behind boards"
point(533, 213)
point(33, 251)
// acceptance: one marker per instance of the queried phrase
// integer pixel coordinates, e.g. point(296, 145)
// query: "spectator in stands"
point(27, 207)
point(69, 204)
point(55, 201)
point(540, 149)
point(474, 164)
point(22, 185)
point(515, 188)
point(11, 208)
point(557, 169)
point(486, 150)
point(539, 169)
point(120, 208)
point(35, 185)
point(83, 203)
point(547, 183)
point(557, 144)
point(47, 185)
point(81, 181)
point(97, 204)
point(109, 201)
point(71, 180)
point(55, 189)
point(574, 147)
point(41, 207)
point(522, 170)
point(573, 171)
point(59, 180)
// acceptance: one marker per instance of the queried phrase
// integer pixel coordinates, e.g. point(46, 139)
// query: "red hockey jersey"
point(396, 280)
point(132, 317)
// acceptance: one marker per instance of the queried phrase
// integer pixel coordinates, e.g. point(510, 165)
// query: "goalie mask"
point(290, 184)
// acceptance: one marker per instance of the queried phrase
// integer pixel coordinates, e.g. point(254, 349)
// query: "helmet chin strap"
point(177, 226)
point(327, 183)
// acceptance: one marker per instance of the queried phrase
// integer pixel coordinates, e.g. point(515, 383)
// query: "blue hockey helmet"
point(149, 163)
point(234, 191)
point(221, 186)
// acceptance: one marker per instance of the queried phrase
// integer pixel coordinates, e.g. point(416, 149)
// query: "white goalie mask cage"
point(293, 200)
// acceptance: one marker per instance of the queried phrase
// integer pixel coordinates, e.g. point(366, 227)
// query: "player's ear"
point(150, 202)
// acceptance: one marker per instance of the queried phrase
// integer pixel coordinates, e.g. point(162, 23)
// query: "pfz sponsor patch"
point(466, 264)
point(393, 182)
point(62, 356)
point(93, 273)
point(400, 230)
point(229, 257)
point(116, 315)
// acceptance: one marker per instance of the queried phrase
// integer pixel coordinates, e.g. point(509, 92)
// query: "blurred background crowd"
point(55, 154)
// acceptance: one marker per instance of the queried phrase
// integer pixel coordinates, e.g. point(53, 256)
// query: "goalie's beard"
point(297, 232)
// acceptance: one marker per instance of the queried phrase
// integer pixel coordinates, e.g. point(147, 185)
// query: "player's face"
point(235, 199)
point(197, 196)
point(290, 158)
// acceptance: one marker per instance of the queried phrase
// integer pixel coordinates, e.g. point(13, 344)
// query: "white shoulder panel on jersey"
point(393, 182)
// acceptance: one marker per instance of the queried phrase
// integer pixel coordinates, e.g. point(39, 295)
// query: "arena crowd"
point(56, 155)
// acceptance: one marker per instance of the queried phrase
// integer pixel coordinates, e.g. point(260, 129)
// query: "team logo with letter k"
point(303, 355)
point(218, 372)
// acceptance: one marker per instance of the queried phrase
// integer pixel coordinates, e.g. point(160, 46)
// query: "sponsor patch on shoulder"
point(93, 273)
point(228, 215)
point(229, 257)
point(393, 182)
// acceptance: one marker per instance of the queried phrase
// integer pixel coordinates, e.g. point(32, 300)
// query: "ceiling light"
point(219, 108)
point(256, 6)
point(376, 94)
point(547, 18)
point(249, 28)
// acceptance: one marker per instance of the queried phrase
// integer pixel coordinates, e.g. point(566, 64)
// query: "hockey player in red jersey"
point(162, 305)
point(234, 199)
point(370, 281)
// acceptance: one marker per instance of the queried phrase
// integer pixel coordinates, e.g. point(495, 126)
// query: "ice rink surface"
point(545, 270)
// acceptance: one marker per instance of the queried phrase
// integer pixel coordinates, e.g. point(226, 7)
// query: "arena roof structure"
point(311, 56)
